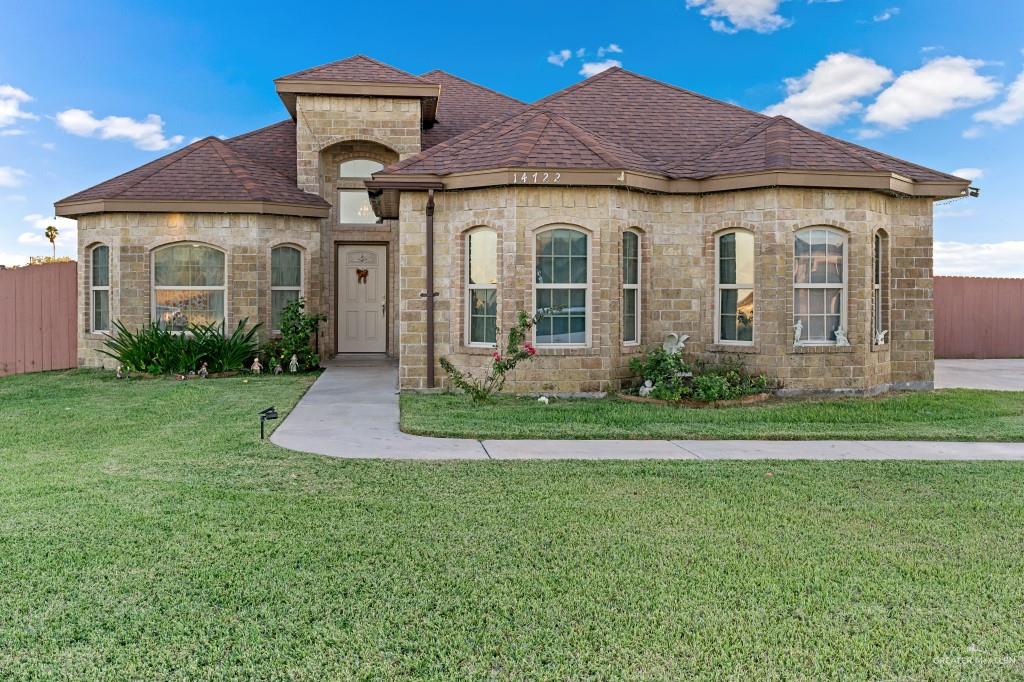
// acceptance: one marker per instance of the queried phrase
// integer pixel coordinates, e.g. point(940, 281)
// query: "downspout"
point(430, 293)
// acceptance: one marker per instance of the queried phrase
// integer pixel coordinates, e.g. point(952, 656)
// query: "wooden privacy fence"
point(38, 317)
point(979, 317)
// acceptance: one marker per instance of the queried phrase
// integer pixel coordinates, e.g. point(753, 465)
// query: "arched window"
point(99, 289)
point(630, 287)
point(188, 285)
point(735, 284)
point(353, 201)
point(880, 288)
point(285, 281)
point(482, 286)
point(562, 287)
point(819, 284)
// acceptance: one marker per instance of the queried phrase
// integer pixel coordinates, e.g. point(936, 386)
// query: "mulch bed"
point(745, 400)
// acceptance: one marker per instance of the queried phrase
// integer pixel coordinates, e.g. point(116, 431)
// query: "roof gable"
point(357, 69)
point(463, 105)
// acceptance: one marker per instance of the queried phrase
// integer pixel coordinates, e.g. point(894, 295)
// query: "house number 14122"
point(537, 178)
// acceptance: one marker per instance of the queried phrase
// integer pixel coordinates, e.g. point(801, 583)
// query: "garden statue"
point(256, 367)
point(543, 400)
point(674, 343)
point(120, 372)
point(841, 338)
point(880, 337)
point(278, 369)
point(204, 371)
point(293, 364)
point(646, 389)
point(798, 331)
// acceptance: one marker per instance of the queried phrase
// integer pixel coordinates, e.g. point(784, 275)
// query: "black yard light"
point(269, 413)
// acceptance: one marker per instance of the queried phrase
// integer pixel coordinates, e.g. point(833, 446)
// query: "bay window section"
point(735, 287)
point(561, 287)
point(819, 285)
point(630, 287)
point(285, 281)
point(188, 286)
point(99, 286)
point(482, 287)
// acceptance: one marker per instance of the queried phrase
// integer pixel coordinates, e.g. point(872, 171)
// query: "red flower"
point(497, 356)
point(530, 350)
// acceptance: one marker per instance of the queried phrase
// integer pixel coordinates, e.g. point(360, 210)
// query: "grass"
point(941, 415)
point(146, 533)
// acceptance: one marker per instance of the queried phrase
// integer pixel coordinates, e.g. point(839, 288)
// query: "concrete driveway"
point(996, 375)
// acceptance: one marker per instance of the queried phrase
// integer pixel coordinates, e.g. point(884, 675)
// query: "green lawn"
point(940, 415)
point(145, 533)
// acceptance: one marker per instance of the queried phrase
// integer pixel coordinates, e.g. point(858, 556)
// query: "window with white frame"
point(99, 289)
point(562, 287)
point(482, 287)
point(188, 286)
point(285, 281)
point(353, 200)
point(630, 287)
point(819, 284)
point(735, 287)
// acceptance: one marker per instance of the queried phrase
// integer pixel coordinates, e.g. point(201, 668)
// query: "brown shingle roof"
point(463, 106)
point(273, 146)
point(358, 68)
point(207, 170)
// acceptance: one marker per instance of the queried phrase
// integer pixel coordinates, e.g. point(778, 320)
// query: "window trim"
point(744, 285)
point(588, 318)
point(93, 329)
point(879, 276)
point(844, 302)
point(153, 286)
point(302, 279)
point(631, 287)
point(468, 296)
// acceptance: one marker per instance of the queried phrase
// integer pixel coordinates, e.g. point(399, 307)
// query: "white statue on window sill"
point(798, 331)
point(880, 337)
point(675, 343)
point(841, 338)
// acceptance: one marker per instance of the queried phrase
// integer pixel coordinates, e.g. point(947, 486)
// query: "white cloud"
point(30, 238)
point(11, 132)
point(20, 198)
point(11, 177)
point(886, 14)
point(11, 99)
point(733, 16)
point(1003, 259)
point(67, 230)
point(1012, 108)
point(831, 90)
point(559, 58)
point(593, 68)
point(13, 259)
point(611, 49)
point(868, 133)
point(147, 135)
point(580, 52)
point(931, 48)
point(49, 146)
point(941, 85)
point(971, 174)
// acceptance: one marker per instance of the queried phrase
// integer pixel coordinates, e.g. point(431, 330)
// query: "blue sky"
point(89, 90)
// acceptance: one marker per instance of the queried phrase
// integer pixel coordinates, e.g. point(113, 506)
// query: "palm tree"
point(51, 234)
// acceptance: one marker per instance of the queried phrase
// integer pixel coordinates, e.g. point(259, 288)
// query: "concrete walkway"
point(352, 412)
point(994, 375)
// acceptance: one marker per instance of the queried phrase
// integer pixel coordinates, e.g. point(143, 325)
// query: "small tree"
point(51, 233)
point(297, 330)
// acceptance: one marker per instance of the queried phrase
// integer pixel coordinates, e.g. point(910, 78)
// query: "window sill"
point(820, 348)
point(879, 348)
point(478, 349)
point(733, 348)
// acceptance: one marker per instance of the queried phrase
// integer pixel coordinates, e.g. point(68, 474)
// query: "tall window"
point(819, 284)
point(630, 287)
point(99, 285)
point(482, 286)
point(188, 286)
point(562, 287)
point(879, 293)
point(285, 281)
point(736, 287)
point(353, 200)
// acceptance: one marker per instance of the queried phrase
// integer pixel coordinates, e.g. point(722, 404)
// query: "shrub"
point(154, 350)
point(675, 379)
point(297, 330)
point(517, 349)
point(667, 371)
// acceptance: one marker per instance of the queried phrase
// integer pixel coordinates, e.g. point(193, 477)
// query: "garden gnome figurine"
point(646, 389)
point(278, 369)
point(293, 364)
point(841, 338)
point(204, 371)
point(798, 331)
point(256, 366)
point(120, 372)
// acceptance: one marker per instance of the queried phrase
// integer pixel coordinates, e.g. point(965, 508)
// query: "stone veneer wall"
point(330, 129)
point(678, 251)
point(246, 239)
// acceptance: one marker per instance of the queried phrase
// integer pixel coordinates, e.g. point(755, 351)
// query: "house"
point(632, 208)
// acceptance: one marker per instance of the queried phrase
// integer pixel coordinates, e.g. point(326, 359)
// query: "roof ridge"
point(169, 160)
point(521, 158)
point(606, 149)
point(473, 83)
point(732, 140)
point(242, 136)
point(698, 95)
point(834, 142)
point(234, 165)
point(360, 55)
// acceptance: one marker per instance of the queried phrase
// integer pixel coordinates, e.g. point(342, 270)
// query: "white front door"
point(362, 298)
